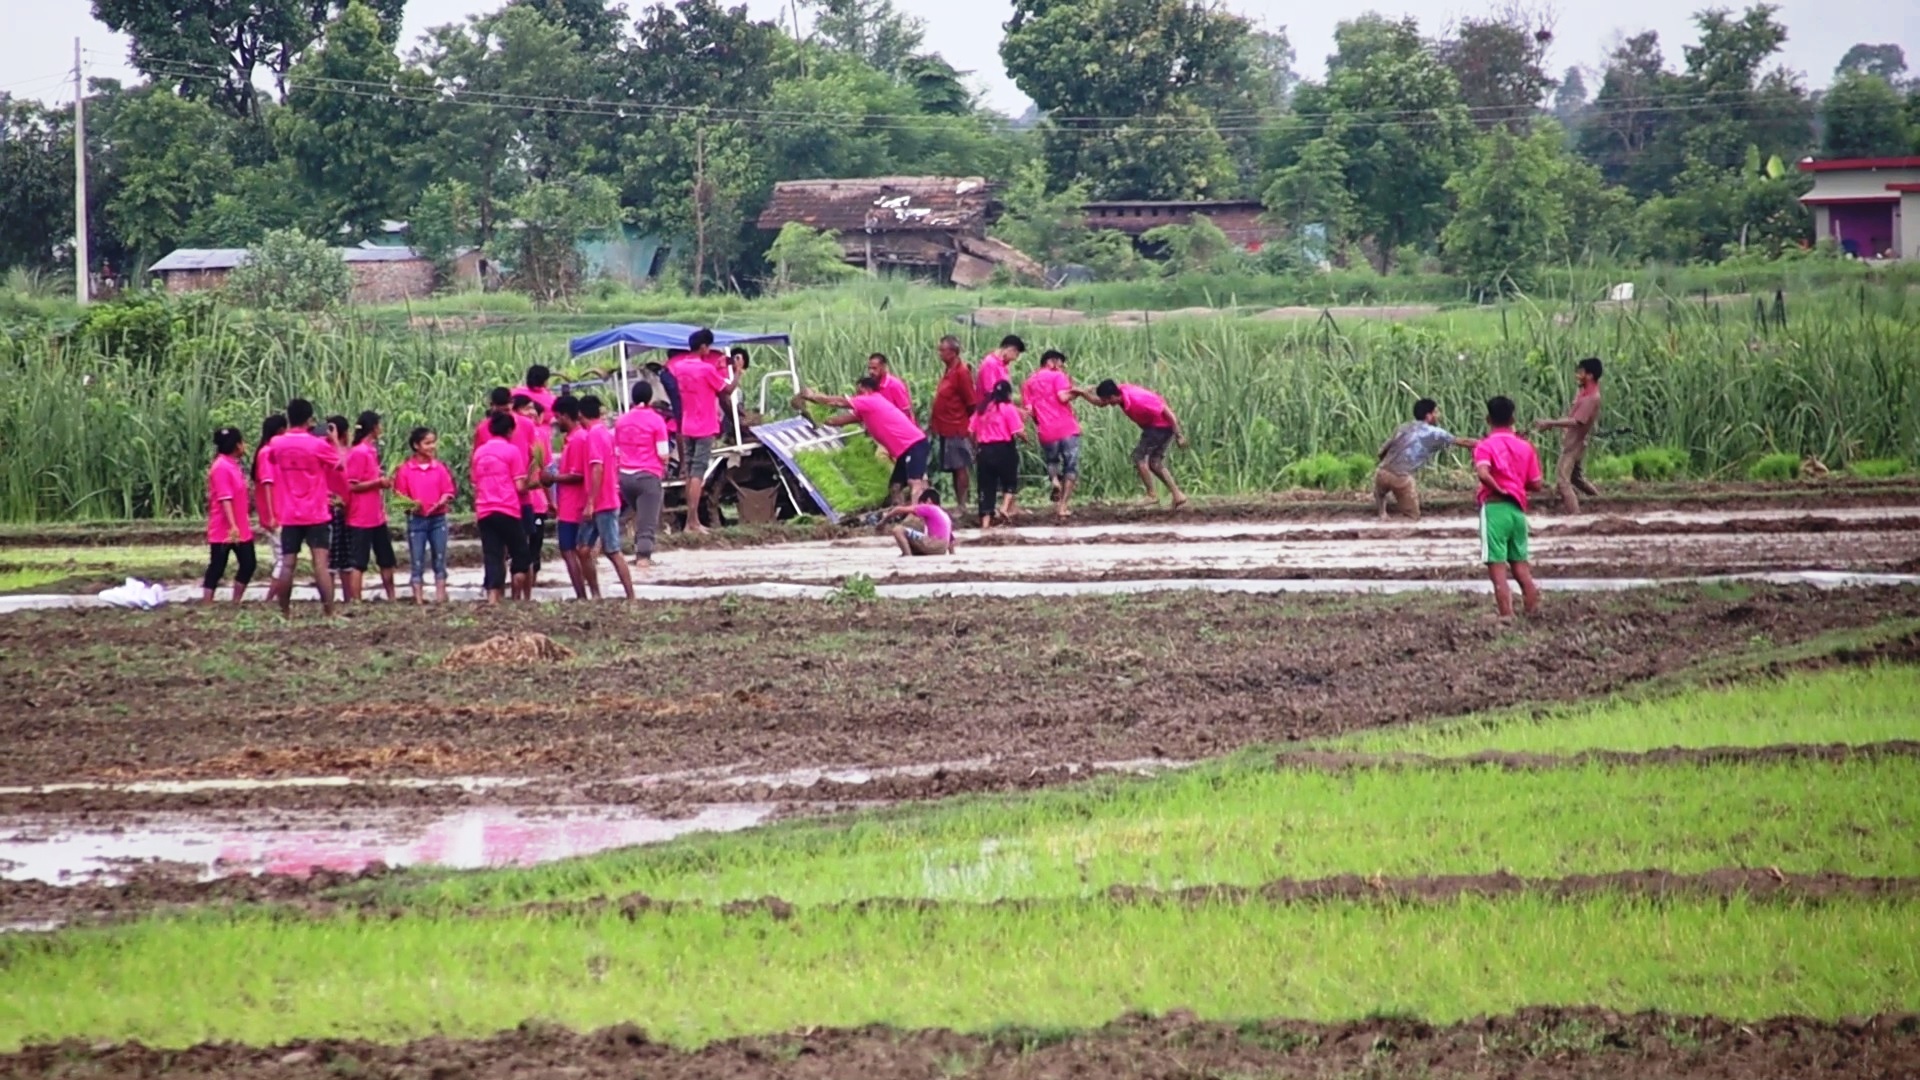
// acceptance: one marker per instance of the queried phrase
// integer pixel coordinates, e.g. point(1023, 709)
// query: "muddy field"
point(1534, 1044)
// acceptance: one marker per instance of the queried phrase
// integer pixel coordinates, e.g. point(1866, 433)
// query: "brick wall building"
point(1240, 219)
point(381, 275)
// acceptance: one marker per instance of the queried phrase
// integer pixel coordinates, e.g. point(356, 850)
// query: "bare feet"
point(1180, 503)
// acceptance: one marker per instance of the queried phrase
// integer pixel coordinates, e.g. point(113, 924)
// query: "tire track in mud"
point(1536, 1043)
point(1779, 753)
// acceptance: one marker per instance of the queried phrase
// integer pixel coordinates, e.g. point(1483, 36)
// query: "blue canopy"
point(641, 336)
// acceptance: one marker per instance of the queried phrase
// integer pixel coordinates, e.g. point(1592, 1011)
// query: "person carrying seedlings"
point(1048, 394)
point(995, 427)
point(891, 386)
point(893, 430)
point(997, 366)
point(640, 453)
point(367, 485)
point(306, 475)
point(229, 532)
point(953, 403)
point(1158, 427)
point(935, 533)
point(600, 517)
point(500, 479)
point(702, 383)
point(1508, 471)
point(1570, 479)
point(1408, 451)
point(424, 482)
point(270, 429)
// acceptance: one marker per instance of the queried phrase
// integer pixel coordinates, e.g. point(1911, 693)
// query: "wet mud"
point(1541, 1043)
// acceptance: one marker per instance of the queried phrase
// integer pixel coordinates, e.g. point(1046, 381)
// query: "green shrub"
point(1878, 468)
point(1328, 472)
point(286, 271)
point(1610, 469)
point(1775, 467)
point(1658, 463)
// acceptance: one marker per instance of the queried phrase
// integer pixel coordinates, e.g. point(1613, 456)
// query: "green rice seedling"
point(851, 478)
point(1610, 468)
point(1775, 467)
point(1879, 468)
point(1328, 472)
point(1658, 463)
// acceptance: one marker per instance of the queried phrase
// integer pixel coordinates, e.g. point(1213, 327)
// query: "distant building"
point(935, 226)
point(1241, 219)
point(1860, 203)
point(381, 274)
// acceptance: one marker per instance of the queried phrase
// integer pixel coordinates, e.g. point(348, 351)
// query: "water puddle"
point(215, 845)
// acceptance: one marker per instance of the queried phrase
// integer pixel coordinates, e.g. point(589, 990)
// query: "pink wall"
point(1863, 229)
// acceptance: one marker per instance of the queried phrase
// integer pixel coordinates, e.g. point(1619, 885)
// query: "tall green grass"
point(85, 433)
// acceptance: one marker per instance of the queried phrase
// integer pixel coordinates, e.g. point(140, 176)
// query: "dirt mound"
point(508, 649)
point(1010, 316)
point(1541, 1043)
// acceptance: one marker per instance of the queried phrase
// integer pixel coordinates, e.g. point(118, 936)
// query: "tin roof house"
point(1869, 206)
point(935, 226)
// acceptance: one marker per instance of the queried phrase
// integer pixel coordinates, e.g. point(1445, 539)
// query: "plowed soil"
point(1534, 1044)
point(769, 685)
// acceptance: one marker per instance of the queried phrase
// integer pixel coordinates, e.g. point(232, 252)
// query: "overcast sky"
point(37, 45)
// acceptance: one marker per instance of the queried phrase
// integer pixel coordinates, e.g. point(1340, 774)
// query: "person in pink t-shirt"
point(704, 377)
point(600, 524)
point(424, 482)
point(500, 476)
point(228, 531)
point(367, 485)
point(893, 430)
point(640, 440)
point(935, 533)
point(995, 427)
point(1049, 395)
point(891, 386)
point(1509, 471)
point(306, 473)
point(270, 430)
point(997, 366)
point(1158, 428)
point(570, 506)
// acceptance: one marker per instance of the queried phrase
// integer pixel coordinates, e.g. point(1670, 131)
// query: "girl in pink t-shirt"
point(934, 535)
point(368, 542)
point(423, 480)
point(997, 467)
point(228, 530)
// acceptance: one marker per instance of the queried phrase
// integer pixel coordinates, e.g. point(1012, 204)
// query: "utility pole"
point(699, 207)
point(80, 260)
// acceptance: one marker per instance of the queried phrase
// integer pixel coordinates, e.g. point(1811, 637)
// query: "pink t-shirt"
point(497, 468)
point(1144, 407)
point(1053, 419)
point(637, 436)
point(1514, 465)
point(427, 483)
point(262, 477)
point(526, 437)
point(600, 450)
point(573, 462)
point(542, 431)
point(993, 372)
point(895, 391)
point(998, 422)
point(226, 483)
point(365, 509)
point(305, 468)
point(894, 430)
point(700, 386)
point(939, 525)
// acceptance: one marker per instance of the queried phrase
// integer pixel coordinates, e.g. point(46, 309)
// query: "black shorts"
point(1151, 450)
point(503, 549)
point(313, 537)
point(370, 544)
point(911, 465)
point(340, 552)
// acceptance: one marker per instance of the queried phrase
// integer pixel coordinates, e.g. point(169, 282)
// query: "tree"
point(286, 271)
point(872, 30)
point(1052, 226)
point(1524, 204)
point(1570, 98)
point(36, 172)
point(551, 218)
point(1887, 61)
point(1864, 117)
point(1198, 247)
point(936, 86)
point(803, 257)
point(1629, 114)
point(443, 221)
point(1498, 63)
point(1123, 81)
point(1716, 212)
point(170, 161)
point(1312, 193)
point(212, 49)
point(350, 113)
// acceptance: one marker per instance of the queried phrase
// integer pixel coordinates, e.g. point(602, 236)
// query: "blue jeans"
point(422, 533)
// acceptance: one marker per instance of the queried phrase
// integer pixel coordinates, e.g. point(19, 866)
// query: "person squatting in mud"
point(1409, 450)
point(934, 536)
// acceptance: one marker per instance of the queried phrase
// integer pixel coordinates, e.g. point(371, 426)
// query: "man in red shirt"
point(1509, 471)
point(953, 404)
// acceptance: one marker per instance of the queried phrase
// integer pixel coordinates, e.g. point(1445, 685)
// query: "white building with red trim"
point(1860, 203)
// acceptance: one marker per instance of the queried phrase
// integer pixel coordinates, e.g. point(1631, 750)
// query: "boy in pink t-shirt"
point(934, 536)
point(1048, 394)
point(1508, 470)
point(1159, 427)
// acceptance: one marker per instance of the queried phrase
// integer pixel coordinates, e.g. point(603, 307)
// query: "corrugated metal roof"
point(379, 254)
point(883, 204)
point(200, 259)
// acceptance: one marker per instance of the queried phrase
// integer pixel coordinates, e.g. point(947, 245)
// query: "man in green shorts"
point(1508, 470)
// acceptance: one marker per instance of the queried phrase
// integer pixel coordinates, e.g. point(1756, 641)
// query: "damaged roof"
point(883, 204)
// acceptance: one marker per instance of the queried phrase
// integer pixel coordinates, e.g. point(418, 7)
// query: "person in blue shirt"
point(1407, 452)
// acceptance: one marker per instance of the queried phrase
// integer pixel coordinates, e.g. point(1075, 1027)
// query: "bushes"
point(1775, 467)
point(286, 271)
point(1329, 472)
point(1651, 463)
point(1878, 468)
